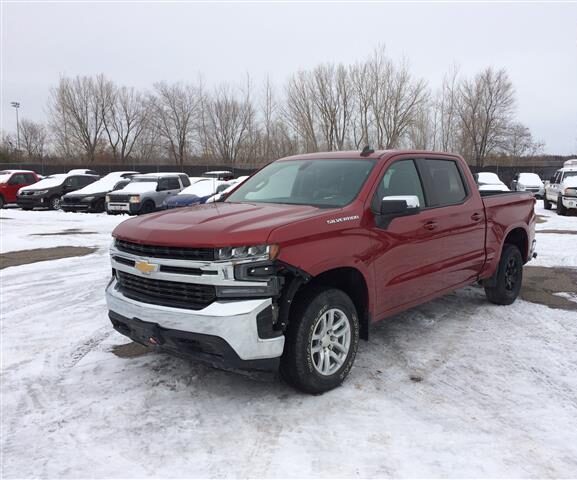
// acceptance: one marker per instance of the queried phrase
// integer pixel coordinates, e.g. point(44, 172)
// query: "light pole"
point(16, 106)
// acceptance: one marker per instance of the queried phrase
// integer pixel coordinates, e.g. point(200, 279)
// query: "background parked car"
point(490, 182)
point(92, 197)
point(528, 182)
point(199, 192)
point(146, 193)
point(219, 175)
point(556, 188)
point(82, 171)
point(231, 186)
point(13, 180)
point(48, 192)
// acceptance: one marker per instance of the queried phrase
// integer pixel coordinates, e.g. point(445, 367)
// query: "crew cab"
point(299, 261)
point(560, 189)
point(91, 198)
point(13, 180)
point(145, 193)
point(48, 192)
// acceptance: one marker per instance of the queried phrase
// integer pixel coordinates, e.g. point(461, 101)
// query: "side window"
point(557, 177)
point(83, 181)
point(401, 178)
point(446, 182)
point(17, 179)
point(173, 183)
point(162, 184)
point(72, 182)
point(30, 178)
point(185, 180)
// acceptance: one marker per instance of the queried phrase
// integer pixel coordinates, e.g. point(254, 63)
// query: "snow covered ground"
point(455, 388)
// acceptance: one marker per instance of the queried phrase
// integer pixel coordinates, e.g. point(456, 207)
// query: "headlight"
point(264, 252)
point(40, 192)
point(570, 192)
point(134, 199)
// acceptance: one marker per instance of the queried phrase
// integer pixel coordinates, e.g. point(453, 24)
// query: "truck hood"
point(213, 224)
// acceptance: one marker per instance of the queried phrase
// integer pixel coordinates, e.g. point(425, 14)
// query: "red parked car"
point(13, 180)
point(301, 259)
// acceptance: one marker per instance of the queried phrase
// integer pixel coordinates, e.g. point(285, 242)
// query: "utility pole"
point(16, 106)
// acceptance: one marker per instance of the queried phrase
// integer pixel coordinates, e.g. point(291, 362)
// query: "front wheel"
point(561, 210)
point(509, 277)
point(321, 340)
point(147, 207)
point(54, 203)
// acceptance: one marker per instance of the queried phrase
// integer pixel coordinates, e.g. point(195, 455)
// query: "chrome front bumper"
point(235, 322)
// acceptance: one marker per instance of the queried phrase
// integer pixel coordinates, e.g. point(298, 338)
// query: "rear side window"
point(29, 178)
point(401, 178)
point(173, 183)
point(185, 180)
point(446, 183)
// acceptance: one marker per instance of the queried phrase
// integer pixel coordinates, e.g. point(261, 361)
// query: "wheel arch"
point(519, 237)
point(351, 281)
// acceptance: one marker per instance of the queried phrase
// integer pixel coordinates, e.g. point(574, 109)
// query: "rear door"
point(456, 222)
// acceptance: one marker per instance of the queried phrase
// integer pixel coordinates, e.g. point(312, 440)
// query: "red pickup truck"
point(298, 262)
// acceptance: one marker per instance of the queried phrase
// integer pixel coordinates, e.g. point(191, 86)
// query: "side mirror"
point(397, 206)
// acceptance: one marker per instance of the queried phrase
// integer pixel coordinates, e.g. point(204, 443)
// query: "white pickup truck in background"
point(561, 189)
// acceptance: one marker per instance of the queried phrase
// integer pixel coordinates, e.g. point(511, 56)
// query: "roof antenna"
point(367, 151)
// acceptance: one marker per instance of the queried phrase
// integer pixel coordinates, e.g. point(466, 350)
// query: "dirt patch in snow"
point(24, 257)
point(130, 350)
point(544, 284)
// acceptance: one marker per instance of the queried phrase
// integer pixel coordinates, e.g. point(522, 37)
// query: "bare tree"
point(174, 113)
point(33, 138)
point(229, 122)
point(124, 121)
point(300, 110)
point(519, 142)
point(486, 106)
point(77, 108)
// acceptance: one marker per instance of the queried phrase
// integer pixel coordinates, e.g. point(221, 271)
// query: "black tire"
point(509, 277)
point(54, 203)
point(298, 361)
point(147, 207)
point(99, 206)
point(27, 209)
point(546, 203)
point(2, 201)
point(561, 210)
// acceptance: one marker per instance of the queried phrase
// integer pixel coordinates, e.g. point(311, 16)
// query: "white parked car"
point(490, 182)
point(528, 182)
point(560, 189)
point(231, 186)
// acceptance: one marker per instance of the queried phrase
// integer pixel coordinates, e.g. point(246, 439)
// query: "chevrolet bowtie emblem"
point(145, 267)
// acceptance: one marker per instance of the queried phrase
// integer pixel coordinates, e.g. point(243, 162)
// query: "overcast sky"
point(137, 44)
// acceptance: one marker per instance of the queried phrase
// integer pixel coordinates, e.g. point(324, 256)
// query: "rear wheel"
point(509, 277)
point(546, 203)
point(561, 210)
point(321, 340)
point(54, 203)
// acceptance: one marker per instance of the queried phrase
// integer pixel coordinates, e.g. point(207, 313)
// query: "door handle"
point(430, 225)
point(476, 217)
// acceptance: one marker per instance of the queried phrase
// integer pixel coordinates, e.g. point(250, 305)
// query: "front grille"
point(27, 193)
point(154, 251)
point(168, 294)
point(71, 200)
point(118, 198)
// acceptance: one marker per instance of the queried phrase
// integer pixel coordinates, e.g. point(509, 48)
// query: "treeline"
point(376, 102)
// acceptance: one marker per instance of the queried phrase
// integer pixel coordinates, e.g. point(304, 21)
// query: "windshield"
point(319, 183)
point(529, 178)
point(569, 174)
